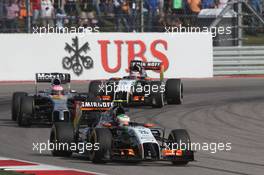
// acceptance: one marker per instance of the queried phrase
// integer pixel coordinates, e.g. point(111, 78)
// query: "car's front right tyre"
point(16, 104)
point(26, 111)
point(61, 134)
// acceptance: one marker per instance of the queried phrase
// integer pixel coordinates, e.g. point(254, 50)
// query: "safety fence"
point(246, 60)
point(133, 16)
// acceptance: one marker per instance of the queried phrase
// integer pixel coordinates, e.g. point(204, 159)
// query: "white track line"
point(40, 166)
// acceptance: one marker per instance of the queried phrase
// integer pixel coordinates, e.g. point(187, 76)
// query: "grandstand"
point(23, 16)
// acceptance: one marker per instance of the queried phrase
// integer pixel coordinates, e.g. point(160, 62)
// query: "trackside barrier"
point(89, 56)
point(246, 60)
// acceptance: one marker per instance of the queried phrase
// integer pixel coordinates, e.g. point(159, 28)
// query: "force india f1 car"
point(116, 137)
point(138, 88)
point(49, 105)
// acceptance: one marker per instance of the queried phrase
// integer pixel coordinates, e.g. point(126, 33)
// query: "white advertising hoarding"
point(104, 55)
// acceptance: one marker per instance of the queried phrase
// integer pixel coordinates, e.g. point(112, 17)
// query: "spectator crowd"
point(123, 15)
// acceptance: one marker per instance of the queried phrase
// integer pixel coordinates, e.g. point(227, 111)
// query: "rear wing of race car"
point(156, 66)
point(49, 77)
point(55, 78)
point(81, 107)
point(95, 106)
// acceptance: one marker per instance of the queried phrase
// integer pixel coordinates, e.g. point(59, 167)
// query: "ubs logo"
point(78, 60)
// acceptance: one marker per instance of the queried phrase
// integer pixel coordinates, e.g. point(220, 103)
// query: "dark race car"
point(49, 105)
point(138, 88)
point(113, 137)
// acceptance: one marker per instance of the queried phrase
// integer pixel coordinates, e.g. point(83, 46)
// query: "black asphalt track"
point(219, 110)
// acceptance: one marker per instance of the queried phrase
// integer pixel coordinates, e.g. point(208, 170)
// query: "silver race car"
point(138, 88)
point(48, 105)
point(113, 137)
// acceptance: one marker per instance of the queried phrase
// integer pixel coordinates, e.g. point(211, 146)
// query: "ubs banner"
point(104, 55)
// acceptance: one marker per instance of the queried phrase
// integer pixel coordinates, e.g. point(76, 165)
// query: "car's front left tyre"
point(27, 106)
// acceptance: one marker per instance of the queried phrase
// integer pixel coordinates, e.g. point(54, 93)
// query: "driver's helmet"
point(123, 119)
point(136, 71)
point(56, 90)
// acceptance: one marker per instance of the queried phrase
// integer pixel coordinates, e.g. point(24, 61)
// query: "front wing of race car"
point(178, 155)
point(150, 152)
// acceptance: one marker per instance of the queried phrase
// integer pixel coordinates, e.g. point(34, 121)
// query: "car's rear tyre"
point(61, 134)
point(179, 136)
point(174, 91)
point(103, 136)
point(16, 104)
point(26, 111)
